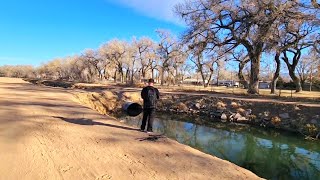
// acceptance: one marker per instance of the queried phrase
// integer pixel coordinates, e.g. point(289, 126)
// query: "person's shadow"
point(88, 122)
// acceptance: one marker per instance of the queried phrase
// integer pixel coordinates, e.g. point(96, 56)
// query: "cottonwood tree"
point(114, 51)
point(307, 68)
point(242, 58)
point(202, 61)
point(94, 59)
point(230, 24)
point(300, 35)
point(18, 71)
point(144, 53)
point(177, 62)
point(168, 49)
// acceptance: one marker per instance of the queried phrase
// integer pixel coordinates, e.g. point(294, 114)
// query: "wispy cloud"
point(159, 9)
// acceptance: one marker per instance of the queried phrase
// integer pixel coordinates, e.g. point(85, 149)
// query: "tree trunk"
point(132, 74)
point(203, 79)
point(276, 74)
point(296, 80)
point(115, 76)
point(242, 80)
point(218, 75)
point(152, 73)
point(162, 76)
point(143, 72)
point(292, 68)
point(254, 76)
point(210, 76)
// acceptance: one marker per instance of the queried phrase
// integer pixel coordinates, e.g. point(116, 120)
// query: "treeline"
point(217, 31)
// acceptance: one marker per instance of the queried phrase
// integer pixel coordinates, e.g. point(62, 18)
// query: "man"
point(150, 95)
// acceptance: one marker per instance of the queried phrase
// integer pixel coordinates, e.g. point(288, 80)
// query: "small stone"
point(284, 116)
point(266, 113)
point(275, 120)
point(248, 112)
point(237, 116)
point(313, 121)
point(221, 104)
point(242, 119)
point(224, 116)
point(234, 105)
point(197, 106)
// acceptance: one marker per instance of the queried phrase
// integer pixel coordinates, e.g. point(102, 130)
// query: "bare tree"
point(167, 50)
point(247, 24)
point(114, 51)
point(202, 61)
point(95, 60)
point(144, 49)
point(242, 58)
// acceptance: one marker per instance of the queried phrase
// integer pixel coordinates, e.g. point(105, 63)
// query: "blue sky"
point(35, 31)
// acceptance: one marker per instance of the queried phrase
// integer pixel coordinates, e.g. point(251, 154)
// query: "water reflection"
point(269, 154)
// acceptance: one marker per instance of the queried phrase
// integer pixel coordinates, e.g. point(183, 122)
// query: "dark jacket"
point(149, 103)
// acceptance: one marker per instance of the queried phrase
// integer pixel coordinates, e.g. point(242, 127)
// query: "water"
point(268, 153)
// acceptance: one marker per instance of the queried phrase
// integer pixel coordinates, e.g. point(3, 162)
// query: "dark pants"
point(148, 115)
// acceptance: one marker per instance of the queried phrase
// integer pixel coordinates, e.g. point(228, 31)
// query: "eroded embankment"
point(108, 102)
point(304, 120)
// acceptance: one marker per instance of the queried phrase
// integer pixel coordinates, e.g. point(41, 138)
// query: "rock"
point(296, 108)
point(313, 121)
point(216, 114)
point(266, 113)
point(237, 116)
point(275, 120)
point(248, 112)
point(242, 119)
point(234, 105)
point(197, 106)
point(231, 117)
point(181, 107)
point(221, 104)
point(284, 116)
point(224, 116)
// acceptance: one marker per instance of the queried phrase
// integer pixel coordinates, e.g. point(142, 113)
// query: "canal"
point(270, 154)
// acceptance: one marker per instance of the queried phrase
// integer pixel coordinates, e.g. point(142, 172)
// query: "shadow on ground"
point(84, 121)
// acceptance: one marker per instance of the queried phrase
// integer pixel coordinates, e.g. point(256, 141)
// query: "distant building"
point(228, 83)
point(192, 81)
point(264, 85)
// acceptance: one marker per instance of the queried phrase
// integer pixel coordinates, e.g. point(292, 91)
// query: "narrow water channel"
point(268, 153)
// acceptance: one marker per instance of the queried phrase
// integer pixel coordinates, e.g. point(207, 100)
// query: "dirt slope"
point(45, 135)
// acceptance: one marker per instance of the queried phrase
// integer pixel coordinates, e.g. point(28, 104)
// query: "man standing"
point(150, 95)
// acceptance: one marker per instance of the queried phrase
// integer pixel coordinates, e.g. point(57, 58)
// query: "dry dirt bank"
point(289, 117)
point(45, 135)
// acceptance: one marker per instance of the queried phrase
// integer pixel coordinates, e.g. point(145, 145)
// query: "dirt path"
point(45, 135)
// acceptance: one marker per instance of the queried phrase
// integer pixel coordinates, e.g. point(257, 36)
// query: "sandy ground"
point(46, 135)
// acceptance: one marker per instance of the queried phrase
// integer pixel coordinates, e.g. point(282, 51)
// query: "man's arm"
point(143, 93)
